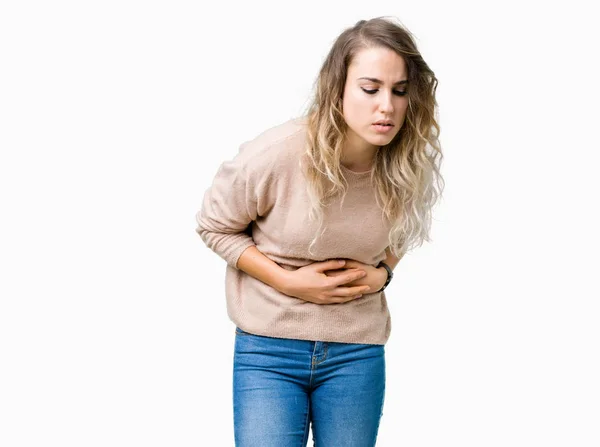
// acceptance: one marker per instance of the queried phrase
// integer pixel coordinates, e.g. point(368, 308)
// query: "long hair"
point(406, 171)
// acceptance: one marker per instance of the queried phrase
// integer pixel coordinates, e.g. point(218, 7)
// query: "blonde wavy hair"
point(406, 172)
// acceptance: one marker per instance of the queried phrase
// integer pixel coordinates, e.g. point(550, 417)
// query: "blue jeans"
point(281, 385)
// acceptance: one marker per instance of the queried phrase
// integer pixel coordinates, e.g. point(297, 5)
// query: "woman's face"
point(375, 90)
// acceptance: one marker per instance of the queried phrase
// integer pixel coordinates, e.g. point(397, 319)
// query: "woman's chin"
point(381, 140)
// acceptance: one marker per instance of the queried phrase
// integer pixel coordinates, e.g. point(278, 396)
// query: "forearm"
point(257, 265)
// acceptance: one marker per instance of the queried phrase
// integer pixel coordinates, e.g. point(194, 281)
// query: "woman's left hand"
point(375, 277)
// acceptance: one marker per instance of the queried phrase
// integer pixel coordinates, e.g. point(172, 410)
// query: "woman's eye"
point(395, 92)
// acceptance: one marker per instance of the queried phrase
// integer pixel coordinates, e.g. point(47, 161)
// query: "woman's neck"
point(358, 157)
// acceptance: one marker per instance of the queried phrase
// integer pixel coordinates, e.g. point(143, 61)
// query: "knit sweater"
point(259, 198)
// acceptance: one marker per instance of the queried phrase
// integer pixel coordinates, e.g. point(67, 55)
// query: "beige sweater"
point(264, 187)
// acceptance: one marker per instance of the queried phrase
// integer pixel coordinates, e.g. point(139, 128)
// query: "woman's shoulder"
point(280, 132)
point(280, 144)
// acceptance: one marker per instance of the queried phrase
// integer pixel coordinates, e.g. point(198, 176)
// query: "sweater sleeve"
point(237, 196)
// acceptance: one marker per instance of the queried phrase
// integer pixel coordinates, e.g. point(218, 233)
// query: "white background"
point(114, 117)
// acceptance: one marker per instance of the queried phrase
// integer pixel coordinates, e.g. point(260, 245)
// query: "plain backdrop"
point(115, 116)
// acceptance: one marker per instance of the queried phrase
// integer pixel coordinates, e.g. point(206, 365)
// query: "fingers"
point(345, 294)
point(352, 275)
point(351, 263)
point(349, 292)
point(340, 300)
point(330, 265)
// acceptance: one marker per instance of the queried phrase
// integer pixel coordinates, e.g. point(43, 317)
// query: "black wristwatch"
point(390, 275)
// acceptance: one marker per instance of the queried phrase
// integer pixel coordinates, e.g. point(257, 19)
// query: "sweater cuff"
point(233, 257)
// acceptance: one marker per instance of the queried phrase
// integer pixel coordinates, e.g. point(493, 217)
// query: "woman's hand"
point(311, 283)
point(375, 277)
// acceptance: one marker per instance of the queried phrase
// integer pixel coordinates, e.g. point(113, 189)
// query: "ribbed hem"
point(234, 255)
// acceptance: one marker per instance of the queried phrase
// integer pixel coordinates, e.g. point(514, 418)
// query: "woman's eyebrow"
point(381, 82)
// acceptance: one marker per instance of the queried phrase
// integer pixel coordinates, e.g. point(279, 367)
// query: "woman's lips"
point(381, 128)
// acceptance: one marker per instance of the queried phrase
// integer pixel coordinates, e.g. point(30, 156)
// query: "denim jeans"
point(280, 386)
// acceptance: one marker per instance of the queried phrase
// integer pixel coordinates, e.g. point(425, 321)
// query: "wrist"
point(382, 277)
point(383, 274)
point(387, 275)
point(282, 281)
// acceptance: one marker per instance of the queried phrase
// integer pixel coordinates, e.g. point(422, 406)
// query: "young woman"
point(312, 216)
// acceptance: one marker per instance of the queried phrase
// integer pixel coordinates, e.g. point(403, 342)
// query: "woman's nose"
point(385, 104)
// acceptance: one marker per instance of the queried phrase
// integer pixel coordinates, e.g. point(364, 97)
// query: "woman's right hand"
point(310, 283)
